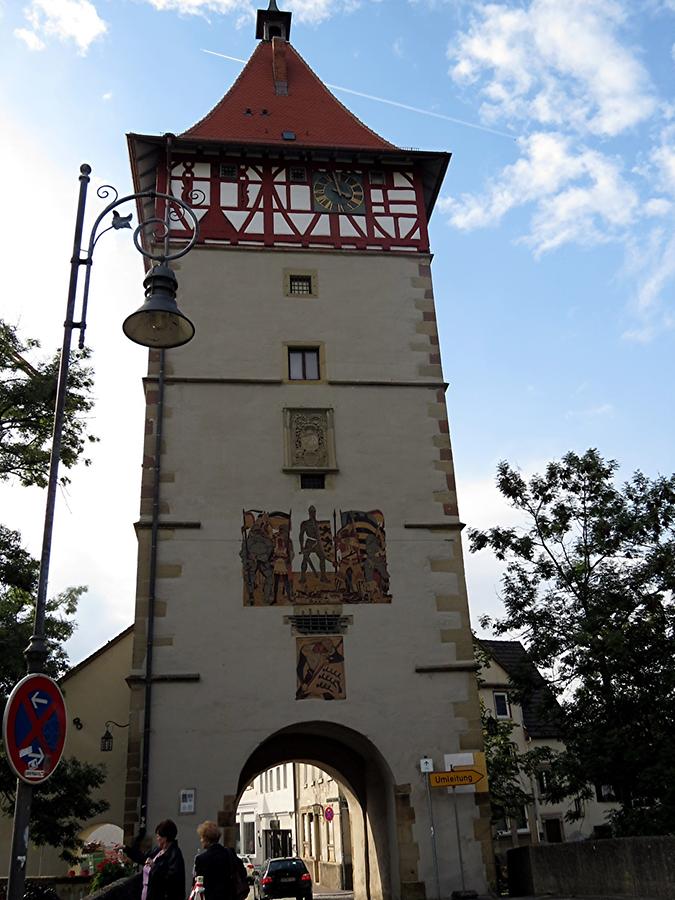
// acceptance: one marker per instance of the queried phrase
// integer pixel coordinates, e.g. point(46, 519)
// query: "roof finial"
point(272, 22)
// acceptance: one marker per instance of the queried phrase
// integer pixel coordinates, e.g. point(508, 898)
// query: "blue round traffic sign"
point(34, 728)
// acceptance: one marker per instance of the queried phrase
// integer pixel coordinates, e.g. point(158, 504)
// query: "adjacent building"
point(541, 821)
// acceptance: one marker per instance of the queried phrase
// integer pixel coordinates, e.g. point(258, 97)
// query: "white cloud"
point(559, 64)
point(650, 262)
point(311, 11)
point(663, 158)
point(579, 195)
point(30, 39)
point(591, 412)
point(65, 20)
point(107, 96)
point(657, 206)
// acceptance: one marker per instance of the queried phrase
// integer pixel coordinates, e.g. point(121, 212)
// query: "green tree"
point(65, 800)
point(588, 586)
point(506, 768)
point(27, 394)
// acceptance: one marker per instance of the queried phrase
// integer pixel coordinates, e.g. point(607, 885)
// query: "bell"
point(159, 323)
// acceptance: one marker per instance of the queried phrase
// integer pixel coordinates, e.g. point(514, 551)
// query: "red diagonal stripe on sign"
point(37, 725)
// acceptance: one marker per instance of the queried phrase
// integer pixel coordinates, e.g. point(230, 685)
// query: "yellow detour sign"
point(468, 773)
point(459, 778)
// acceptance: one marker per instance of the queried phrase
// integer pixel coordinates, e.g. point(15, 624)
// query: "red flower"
point(100, 866)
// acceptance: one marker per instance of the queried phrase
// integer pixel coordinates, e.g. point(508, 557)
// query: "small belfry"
point(299, 535)
point(272, 23)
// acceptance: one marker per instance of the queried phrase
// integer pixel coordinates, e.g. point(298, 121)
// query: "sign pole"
point(22, 807)
point(433, 841)
point(459, 840)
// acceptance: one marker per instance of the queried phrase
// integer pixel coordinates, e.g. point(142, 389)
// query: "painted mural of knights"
point(345, 564)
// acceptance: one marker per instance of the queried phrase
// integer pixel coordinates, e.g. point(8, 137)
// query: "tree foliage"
point(27, 395)
point(65, 800)
point(60, 805)
point(505, 767)
point(588, 586)
point(18, 581)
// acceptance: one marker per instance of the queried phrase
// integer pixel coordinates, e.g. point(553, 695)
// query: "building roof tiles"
point(538, 703)
point(259, 110)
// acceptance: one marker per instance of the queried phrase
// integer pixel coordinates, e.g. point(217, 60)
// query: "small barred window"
point(300, 284)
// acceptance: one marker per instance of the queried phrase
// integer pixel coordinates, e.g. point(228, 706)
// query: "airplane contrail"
point(416, 109)
point(225, 56)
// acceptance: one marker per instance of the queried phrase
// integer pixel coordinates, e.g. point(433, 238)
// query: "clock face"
point(338, 192)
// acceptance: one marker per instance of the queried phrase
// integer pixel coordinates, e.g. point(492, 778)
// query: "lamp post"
point(158, 323)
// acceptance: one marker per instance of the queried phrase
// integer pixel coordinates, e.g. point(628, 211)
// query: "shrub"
point(108, 871)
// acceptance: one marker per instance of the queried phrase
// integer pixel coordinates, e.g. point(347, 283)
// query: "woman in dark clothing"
point(213, 863)
point(163, 867)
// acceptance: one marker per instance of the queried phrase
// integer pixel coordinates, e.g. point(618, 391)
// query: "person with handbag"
point(163, 866)
point(214, 864)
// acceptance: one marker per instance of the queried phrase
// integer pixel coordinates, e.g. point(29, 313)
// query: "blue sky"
point(554, 264)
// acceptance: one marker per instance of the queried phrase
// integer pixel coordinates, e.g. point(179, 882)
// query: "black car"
point(284, 877)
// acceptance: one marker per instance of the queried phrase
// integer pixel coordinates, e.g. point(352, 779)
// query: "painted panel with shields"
point(345, 564)
point(320, 668)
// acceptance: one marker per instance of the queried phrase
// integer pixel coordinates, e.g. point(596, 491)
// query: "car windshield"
point(293, 866)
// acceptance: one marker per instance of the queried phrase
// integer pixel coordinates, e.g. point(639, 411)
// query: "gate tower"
point(301, 592)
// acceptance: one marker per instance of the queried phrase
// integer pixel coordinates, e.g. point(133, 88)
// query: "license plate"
point(286, 880)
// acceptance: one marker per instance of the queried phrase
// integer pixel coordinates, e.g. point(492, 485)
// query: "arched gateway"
point(300, 589)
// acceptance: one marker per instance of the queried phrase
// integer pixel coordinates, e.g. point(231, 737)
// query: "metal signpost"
point(427, 767)
point(34, 723)
point(462, 776)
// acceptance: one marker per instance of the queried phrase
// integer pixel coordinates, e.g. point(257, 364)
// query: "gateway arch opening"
point(324, 793)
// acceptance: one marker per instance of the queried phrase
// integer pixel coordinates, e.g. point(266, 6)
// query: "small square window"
point(298, 173)
point(312, 481)
point(227, 171)
point(300, 284)
point(502, 705)
point(377, 177)
point(303, 364)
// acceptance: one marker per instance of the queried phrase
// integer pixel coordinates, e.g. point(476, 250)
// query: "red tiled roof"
point(309, 110)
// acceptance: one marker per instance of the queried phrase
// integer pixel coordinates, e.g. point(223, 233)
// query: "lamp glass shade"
point(159, 323)
point(158, 328)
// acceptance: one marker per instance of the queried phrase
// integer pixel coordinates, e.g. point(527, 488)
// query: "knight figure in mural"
point(356, 552)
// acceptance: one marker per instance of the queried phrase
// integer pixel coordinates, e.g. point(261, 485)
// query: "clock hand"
point(337, 186)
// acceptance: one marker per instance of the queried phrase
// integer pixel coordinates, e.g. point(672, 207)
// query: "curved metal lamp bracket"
point(119, 222)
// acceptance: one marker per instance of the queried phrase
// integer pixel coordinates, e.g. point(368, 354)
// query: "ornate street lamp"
point(159, 324)
point(107, 738)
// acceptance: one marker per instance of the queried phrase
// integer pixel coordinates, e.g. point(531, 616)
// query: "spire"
point(272, 22)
